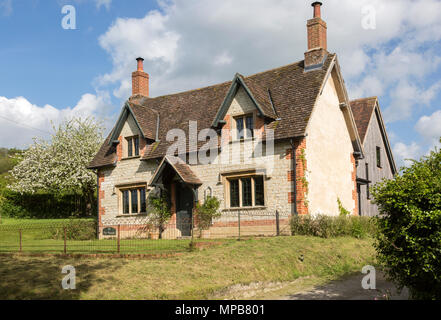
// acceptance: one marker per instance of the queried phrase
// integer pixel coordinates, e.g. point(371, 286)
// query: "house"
point(283, 140)
point(378, 161)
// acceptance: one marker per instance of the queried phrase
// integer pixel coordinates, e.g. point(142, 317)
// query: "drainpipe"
point(294, 166)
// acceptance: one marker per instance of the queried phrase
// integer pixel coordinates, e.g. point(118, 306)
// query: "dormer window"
point(244, 127)
point(133, 147)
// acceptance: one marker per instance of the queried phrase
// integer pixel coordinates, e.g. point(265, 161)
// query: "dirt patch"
point(205, 245)
point(255, 289)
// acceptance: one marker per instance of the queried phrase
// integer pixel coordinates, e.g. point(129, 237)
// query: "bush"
point(75, 230)
point(409, 239)
point(11, 210)
point(329, 227)
point(205, 213)
point(43, 205)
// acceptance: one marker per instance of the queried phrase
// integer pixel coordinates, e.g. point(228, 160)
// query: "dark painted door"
point(184, 209)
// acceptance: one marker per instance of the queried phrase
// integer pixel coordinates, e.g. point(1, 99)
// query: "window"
point(258, 190)
point(245, 127)
point(378, 157)
point(134, 200)
point(133, 147)
point(247, 200)
point(234, 194)
point(246, 192)
point(368, 195)
point(240, 128)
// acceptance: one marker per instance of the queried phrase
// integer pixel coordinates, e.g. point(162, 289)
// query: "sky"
point(58, 62)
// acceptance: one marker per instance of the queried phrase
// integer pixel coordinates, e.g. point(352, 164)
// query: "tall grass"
point(331, 227)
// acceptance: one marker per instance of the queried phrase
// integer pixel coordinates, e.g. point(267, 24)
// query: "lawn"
point(201, 274)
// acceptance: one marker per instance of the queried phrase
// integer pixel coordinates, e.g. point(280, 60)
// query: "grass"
point(191, 275)
point(37, 237)
point(33, 222)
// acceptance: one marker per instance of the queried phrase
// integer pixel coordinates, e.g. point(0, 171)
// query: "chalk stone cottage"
point(319, 148)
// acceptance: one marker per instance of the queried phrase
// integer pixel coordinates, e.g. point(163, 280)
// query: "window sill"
point(132, 215)
point(130, 158)
point(245, 209)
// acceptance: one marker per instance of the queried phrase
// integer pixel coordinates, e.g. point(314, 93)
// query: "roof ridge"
point(225, 82)
point(367, 98)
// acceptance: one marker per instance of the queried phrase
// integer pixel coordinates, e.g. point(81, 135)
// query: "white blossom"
point(60, 164)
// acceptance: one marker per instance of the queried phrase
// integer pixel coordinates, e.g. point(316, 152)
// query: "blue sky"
point(49, 73)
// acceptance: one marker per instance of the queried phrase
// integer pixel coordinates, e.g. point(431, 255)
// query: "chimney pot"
point(317, 5)
point(140, 64)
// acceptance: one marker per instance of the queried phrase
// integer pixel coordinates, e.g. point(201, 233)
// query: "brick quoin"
point(301, 169)
point(101, 209)
point(142, 146)
point(260, 127)
point(119, 148)
point(226, 130)
point(354, 191)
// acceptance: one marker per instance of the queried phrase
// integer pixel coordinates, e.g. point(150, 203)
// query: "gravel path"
point(350, 289)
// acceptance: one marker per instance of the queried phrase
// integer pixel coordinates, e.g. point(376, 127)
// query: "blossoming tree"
point(60, 164)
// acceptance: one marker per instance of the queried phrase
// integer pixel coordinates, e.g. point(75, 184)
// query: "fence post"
point(65, 241)
point(238, 220)
point(20, 233)
point(277, 223)
point(119, 239)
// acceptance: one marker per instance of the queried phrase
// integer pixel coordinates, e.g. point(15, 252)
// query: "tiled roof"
point(293, 95)
point(362, 110)
point(181, 168)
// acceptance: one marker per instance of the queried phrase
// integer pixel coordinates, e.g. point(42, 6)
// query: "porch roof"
point(180, 167)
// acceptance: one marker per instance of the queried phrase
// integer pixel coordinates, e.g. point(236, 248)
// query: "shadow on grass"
point(27, 278)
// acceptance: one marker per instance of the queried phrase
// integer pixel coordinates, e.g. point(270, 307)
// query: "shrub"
point(75, 230)
point(409, 239)
point(11, 210)
point(205, 213)
point(329, 227)
point(159, 212)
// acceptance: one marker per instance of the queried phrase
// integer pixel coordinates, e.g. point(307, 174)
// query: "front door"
point(184, 209)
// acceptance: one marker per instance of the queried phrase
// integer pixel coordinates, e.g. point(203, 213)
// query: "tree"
point(60, 164)
point(409, 238)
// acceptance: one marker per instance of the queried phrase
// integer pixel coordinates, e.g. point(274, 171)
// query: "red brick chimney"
point(317, 39)
point(140, 80)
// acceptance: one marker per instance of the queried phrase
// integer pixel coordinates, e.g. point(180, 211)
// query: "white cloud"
point(430, 127)
point(223, 59)
point(404, 153)
point(130, 38)
point(6, 7)
point(21, 120)
point(103, 3)
point(185, 43)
